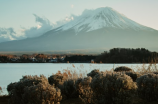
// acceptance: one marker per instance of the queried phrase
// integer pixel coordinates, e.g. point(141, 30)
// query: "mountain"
point(93, 31)
point(100, 18)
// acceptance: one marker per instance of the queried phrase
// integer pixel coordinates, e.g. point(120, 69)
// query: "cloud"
point(7, 34)
point(43, 25)
point(39, 26)
point(72, 6)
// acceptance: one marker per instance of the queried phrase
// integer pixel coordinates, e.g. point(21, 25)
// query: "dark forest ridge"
point(115, 55)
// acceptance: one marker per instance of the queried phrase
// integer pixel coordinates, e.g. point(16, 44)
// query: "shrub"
point(31, 90)
point(93, 73)
point(43, 93)
point(97, 87)
point(57, 79)
point(78, 84)
point(112, 88)
point(84, 89)
point(155, 72)
point(133, 75)
point(1, 90)
point(25, 81)
point(122, 68)
point(148, 87)
point(68, 89)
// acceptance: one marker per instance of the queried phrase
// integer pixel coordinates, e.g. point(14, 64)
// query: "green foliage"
point(148, 87)
point(33, 90)
point(122, 68)
point(112, 88)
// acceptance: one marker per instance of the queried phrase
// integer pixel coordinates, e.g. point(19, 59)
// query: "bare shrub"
point(122, 68)
point(56, 79)
point(43, 93)
point(112, 88)
point(133, 75)
point(93, 73)
point(84, 89)
point(86, 93)
point(151, 68)
point(32, 90)
point(65, 80)
point(148, 87)
point(68, 89)
point(59, 78)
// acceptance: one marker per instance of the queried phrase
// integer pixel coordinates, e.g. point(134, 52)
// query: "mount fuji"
point(94, 31)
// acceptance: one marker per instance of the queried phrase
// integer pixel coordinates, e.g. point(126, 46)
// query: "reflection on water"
point(13, 72)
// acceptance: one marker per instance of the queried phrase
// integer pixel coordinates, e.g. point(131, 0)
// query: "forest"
point(127, 55)
point(115, 55)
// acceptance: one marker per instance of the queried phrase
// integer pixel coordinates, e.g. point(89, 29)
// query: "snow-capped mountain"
point(101, 18)
point(94, 30)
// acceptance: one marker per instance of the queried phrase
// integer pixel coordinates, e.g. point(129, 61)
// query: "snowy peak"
point(101, 18)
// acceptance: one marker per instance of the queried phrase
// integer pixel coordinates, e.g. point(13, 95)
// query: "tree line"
point(80, 58)
point(127, 55)
point(115, 55)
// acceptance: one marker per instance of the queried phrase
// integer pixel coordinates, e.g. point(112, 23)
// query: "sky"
point(21, 19)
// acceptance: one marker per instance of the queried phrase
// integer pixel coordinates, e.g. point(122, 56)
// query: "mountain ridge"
point(80, 34)
point(100, 18)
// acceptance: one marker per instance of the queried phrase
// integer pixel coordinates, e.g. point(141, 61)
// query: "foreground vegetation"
point(120, 86)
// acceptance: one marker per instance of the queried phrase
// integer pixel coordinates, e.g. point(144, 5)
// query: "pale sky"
point(20, 15)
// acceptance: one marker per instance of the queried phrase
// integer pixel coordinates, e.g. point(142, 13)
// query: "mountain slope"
point(94, 30)
point(100, 18)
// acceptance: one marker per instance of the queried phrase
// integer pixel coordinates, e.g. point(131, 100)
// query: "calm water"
point(13, 72)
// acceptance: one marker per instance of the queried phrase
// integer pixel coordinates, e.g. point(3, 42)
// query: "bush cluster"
point(148, 87)
point(56, 79)
point(84, 89)
point(122, 68)
point(68, 89)
point(33, 90)
point(112, 88)
point(133, 75)
point(108, 87)
point(93, 73)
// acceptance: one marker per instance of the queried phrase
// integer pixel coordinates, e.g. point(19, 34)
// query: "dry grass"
point(144, 69)
point(72, 73)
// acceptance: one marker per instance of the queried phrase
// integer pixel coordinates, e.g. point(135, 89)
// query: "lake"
point(12, 72)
